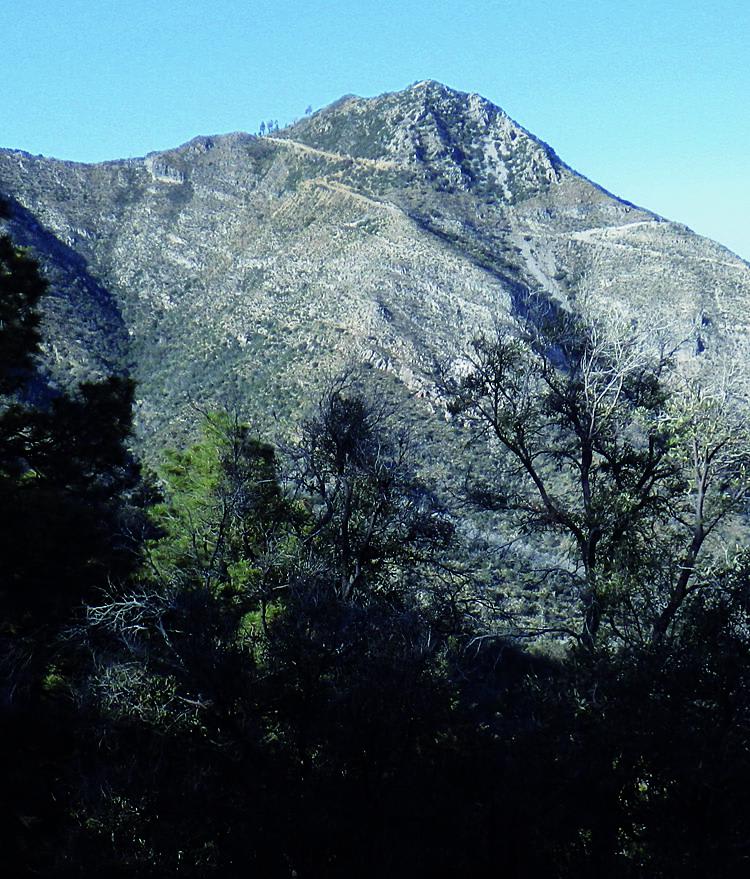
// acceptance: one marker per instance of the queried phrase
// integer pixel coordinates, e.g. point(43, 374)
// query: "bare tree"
point(593, 447)
point(710, 442)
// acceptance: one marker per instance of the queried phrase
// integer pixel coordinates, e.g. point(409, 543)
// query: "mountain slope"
point(387, 230)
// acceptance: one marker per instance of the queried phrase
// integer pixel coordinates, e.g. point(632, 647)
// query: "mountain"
point(385, 230)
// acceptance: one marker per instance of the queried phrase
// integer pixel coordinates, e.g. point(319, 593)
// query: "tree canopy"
point(279, 659)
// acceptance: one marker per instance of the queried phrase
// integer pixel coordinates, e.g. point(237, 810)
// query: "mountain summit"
point(385, 230)
point(443, 136)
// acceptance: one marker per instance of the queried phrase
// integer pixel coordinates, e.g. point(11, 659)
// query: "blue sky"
point(649, 99)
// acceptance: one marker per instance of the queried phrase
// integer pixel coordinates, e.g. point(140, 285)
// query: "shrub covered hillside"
point(266, 661)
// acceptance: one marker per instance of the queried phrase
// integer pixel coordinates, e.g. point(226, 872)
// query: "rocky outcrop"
point(386, 230)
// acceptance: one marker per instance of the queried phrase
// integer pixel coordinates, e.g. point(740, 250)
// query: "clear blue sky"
point(650, 99)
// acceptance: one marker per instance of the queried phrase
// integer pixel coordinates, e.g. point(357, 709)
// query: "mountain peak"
point(430, 85)
point(388, 229)
point(454, 139)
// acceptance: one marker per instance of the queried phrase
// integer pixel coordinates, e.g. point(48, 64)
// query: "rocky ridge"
point(387, 230)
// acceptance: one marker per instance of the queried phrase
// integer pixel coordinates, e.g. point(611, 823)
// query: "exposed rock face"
point(389, 230)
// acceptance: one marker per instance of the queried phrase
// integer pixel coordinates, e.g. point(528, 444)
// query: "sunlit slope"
point(387, 230)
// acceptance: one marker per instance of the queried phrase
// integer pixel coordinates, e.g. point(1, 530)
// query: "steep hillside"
point(387, 230)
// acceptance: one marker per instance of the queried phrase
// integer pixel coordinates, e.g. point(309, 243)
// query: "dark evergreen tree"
point(21, 288)
point(64, 474)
